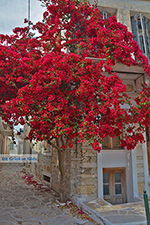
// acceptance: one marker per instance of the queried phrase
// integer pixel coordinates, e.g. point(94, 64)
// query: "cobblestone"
point(23, 204)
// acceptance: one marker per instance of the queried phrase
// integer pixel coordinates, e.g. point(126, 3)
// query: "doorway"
point(114, 185)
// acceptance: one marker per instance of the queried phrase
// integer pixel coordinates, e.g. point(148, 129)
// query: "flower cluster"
point(50, 81)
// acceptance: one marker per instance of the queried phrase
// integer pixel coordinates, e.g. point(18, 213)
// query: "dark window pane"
point(142, 44)
point(105, 14)
point(134, 28)
point(141, 32)
point(106, 189)
point(139, 24)
point(117, 177)
point(118, 189)
point(106, 178)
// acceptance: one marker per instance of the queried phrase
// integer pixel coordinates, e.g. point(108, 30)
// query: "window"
point(141, 31)
point(46, 178)
point(112, 143)
point(107, 11)
point(11, 146)
point(114, 185)
point(118, 183)
point(105, 14)
point(106, 178)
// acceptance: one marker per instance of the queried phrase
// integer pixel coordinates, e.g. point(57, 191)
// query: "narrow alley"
point(23, 204)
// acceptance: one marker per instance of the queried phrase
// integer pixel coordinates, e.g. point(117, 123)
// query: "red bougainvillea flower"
point(50, 81)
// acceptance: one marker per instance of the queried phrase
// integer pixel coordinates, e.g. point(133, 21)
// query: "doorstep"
point(122, 214)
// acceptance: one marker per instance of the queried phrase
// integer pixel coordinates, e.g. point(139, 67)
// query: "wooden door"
point(114, 185)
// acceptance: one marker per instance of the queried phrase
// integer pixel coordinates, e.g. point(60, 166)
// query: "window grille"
point(141, 31)
point(105, 14)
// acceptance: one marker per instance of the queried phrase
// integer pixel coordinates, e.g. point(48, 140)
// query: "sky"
point(13, 13)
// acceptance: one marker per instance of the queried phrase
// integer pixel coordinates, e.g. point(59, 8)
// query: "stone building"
point(114, 175)
point(5, 141)
point(10, 142)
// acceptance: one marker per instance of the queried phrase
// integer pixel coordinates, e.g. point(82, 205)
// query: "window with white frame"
point(105, 14)
point(141, 31)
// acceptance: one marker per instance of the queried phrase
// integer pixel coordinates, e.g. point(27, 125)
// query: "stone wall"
point(1, 143)
point(131, 5)
point(59, 184)
point(140, 169)
point(80, 178)
point(84, 173)
point(5, 132)
point(48, 166)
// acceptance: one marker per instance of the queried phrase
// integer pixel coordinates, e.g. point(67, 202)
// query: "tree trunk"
point(61, 166)
point(64, 171)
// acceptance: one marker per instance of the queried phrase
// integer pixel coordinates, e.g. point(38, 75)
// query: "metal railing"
point(147, 208)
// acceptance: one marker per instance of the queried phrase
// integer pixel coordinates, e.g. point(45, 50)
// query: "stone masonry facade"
point(80, 171)
point(81, 166)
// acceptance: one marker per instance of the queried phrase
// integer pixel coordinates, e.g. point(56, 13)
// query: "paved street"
point(123, 214)
point(23, 204)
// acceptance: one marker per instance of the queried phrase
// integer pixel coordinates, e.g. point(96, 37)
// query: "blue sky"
point(13, 12)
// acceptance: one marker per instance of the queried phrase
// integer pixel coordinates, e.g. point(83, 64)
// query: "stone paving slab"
point(22, 204)
point(123, 214)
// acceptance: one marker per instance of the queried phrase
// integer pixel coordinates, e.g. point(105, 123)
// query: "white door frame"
point(130, 159)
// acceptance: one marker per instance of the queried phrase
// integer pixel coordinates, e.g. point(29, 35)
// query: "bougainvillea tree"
point(18, 54)
point(51, 81)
